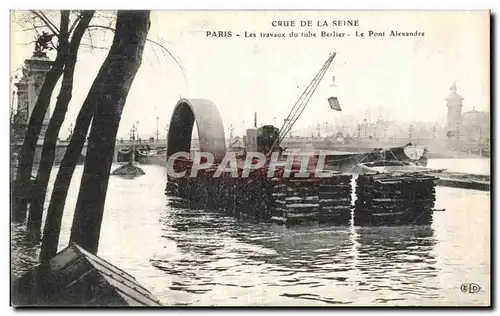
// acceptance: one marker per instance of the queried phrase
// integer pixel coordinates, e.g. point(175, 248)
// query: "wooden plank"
point(338, 200)
point(302, 215)
point(300, 199)
point(132, 292)
point(301, 206)
point(387, 214)
point(278, 219)
point(325, 207)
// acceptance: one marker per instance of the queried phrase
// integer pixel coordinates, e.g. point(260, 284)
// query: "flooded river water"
point(194, 257)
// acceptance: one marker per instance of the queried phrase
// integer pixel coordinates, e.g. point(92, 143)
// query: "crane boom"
point(301, 103)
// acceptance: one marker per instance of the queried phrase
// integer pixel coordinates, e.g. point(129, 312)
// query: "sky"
point(403, 78)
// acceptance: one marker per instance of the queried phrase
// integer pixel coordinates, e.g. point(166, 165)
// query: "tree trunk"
point(50, 237)
point(131, 32)
point(107, 96)
point(50, 141)
point(22, 185)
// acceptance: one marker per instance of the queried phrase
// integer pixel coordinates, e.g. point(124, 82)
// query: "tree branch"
point(64, 34)
point(84, 20)
point(35, 27)
point(50, 22)
point(92, 47)
point(149, 40)
point(168, 52)
point(90, 38)
point(102, 27)
point(64, 23)
point(75, 22)
point(47, 22)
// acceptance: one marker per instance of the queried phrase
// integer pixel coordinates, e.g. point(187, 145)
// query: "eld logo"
point(470, 288)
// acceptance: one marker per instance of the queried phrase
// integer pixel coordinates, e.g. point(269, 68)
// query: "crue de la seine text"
point(305, 23)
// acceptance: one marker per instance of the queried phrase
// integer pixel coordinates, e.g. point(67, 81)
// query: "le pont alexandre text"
point(311, 23)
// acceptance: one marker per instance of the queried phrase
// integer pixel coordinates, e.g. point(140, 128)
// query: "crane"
point(301, 103)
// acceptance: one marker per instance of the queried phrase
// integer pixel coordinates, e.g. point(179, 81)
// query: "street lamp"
point(132, 132)
point(157, 133)
point(137, 130)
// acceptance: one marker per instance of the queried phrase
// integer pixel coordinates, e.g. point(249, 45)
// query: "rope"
point(358, 162)
point(394, 155)
point(234, 143)
point(341, 159)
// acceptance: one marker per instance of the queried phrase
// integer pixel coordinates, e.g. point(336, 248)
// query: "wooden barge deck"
point(381, 198)
point(463, 180)
point(277, 199)
point(75, 277)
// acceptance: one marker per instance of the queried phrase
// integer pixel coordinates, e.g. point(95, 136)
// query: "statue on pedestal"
point(42, 44)
point(453, 87)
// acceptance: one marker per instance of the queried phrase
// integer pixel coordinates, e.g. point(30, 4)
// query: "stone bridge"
point(186, 113)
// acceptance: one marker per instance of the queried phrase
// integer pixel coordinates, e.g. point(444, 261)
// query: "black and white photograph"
point(250, 158)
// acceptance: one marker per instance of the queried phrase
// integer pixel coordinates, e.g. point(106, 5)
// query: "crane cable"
point(292, 116)
point(301, 103)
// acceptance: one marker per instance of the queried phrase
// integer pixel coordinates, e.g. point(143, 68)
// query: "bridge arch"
point(208, 123)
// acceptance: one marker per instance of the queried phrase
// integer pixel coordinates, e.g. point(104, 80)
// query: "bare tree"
point(57, 118)
point(114, 83)
point(107, 98)
point(38, 22)
point(27, 152)
point(16, 123)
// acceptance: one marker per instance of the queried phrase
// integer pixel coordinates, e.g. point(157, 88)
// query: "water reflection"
point(397, 262)
point(316, 264)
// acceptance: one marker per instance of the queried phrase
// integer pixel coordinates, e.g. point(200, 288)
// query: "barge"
point(464, 180)
point(443, 177)
point(278, 187)
point(276, 198)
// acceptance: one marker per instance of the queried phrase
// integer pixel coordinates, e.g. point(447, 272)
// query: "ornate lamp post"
point(157, 133)
point(165, 129)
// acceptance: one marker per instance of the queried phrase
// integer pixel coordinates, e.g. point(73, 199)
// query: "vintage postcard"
point(250, 158)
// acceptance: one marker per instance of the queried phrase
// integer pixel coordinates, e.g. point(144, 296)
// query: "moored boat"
point(153, 156)
point(402, 156)
point(389, 166)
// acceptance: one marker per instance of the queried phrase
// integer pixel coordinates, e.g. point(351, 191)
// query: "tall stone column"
point(454, 119)
point(28, 88)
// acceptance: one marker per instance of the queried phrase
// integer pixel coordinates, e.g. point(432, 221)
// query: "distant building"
point(469, 131)
point(373, 129)
point(476, 126)
point(454, 104)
